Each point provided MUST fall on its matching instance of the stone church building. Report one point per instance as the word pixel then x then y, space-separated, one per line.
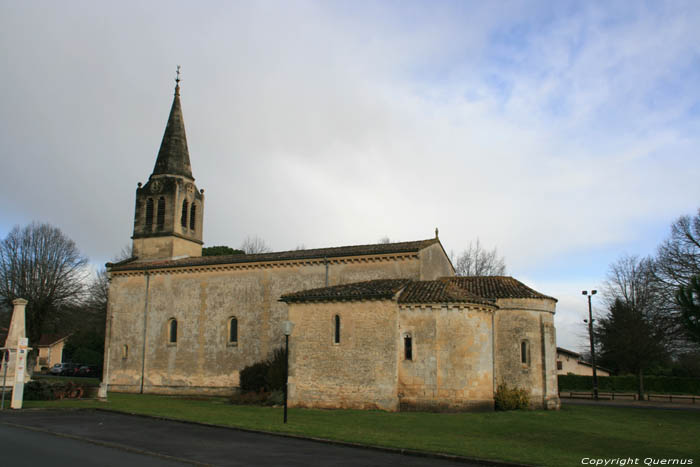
pixel 383 326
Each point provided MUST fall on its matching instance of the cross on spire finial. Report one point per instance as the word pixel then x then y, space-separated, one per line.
pixel 177 81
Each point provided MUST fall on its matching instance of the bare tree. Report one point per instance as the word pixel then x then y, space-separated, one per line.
pixel 477 261
pixel 39 263
pixel 385 239
pixel 637 332
pixel 254 245
pixel 632 280
pixel 678 258
pixel 677 263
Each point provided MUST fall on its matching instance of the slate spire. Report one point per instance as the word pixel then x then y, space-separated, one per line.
pixel 173 156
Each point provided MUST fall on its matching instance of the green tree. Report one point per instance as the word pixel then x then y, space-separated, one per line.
pixel 629 342
pixel 220 250
pixel 688 300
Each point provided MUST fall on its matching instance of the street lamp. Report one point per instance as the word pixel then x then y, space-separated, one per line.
pixel 287 327
pixel 590 334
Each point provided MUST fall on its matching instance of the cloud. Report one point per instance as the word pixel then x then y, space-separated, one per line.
pixel 552 131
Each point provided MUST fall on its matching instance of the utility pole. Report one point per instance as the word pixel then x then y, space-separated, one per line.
pixel 592 339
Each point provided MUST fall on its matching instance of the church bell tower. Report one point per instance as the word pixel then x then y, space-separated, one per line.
pixel 169 207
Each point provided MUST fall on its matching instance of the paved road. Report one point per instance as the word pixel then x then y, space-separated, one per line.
pixel 180 441
pixel 23 448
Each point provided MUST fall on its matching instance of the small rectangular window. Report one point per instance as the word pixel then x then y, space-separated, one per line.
pixel 408 348
pixel 336 337
pixel 524 350
pixel 559 365
pixel 172 337
pixel 233 331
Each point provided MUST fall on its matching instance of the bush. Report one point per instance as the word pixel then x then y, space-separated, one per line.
pixel 277 371
pixel 265 376
pixel 253 377
pixel 258 398
pixel 508 398
pixel 47 390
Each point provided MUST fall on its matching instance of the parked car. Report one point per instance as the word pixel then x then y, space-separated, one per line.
pixel 57 369
pixel 70 369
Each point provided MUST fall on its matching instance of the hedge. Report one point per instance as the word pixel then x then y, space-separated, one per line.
pixel 654 384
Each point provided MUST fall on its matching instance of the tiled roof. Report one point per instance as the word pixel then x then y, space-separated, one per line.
pixel 354 250
pixel 439 292
pixel 569 352
pixel 496 287
pixel 367 290
pixel 444 290
pixel 409 292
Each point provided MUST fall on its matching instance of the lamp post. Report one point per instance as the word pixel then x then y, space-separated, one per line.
pixel 287 327
pixel 590 334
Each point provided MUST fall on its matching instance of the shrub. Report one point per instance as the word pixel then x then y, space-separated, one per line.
pixel 253 377
pixel 277 371
pixel 249 398
pixel 508 398
pixel 46 390
pixel 265 376
pixel 275 398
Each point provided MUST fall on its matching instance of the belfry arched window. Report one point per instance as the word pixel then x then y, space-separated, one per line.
pixel 183 217
pixel 160 219
pixel 336 335
pixel 172 331
pixel 193 215
pixel 149 212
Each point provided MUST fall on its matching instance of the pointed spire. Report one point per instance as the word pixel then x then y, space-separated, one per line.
pixel 173 156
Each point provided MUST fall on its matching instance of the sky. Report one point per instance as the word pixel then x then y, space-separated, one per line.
pixel 564 134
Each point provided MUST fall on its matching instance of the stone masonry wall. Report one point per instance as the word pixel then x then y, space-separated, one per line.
pixel 359 372
pixel 452 364
pixel 532 321
pixel 203 301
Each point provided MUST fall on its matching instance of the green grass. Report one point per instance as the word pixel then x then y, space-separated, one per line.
pixel 556 438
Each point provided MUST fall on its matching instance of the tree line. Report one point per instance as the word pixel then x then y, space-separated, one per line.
pixel 652 319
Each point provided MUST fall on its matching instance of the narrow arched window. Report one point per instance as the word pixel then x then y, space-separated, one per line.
pixel 336 337
pixel 183 217
pixel 149 212
pixel 524 353
pixel 193 215
pixel 233 331
pixel 125 352
pixel 408 347
pixel 172 331
pixel 160 220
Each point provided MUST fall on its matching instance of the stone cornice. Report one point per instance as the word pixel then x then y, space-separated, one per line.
pixel 273 264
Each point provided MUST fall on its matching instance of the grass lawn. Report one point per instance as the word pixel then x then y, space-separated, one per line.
pixel 533 437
